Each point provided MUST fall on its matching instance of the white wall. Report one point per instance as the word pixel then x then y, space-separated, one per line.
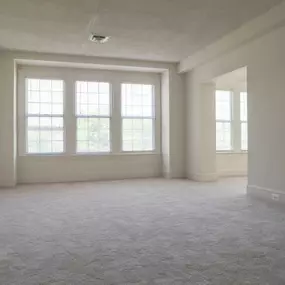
pixel 38 169
pixel 7 122
pixel 231 164
pixel 265 61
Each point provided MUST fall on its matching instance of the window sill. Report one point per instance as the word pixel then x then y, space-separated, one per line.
pixel 232 152
pixel 99 154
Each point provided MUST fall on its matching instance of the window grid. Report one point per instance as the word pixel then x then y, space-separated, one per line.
pixel 243 119
pixel 93 113
pixel 223 120
pixel 44 116
pixel 138 117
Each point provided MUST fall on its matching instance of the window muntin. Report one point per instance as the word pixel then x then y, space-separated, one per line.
pixel 243 119
pixel 223 120
pixel 93 113
pixel 44 116
pixel 138 117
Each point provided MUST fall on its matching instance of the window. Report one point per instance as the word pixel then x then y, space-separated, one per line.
pixel 223 120
pixel 138 117
pixel 70 112
pixel 44 116
pixel 243 119
pixel 93 116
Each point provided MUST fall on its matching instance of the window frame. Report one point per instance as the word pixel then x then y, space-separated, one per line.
pixel 69 76
pixel 77 116
pixel 243 121
pixel 22 105
pixel 236 126
pixel 153 118
pixel 230 121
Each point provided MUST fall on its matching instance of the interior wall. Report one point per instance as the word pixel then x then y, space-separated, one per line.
pixel 201 130
pixel 7 122
pixel 38 168
pixel 265 61
pixel 95 168
pixel 231 164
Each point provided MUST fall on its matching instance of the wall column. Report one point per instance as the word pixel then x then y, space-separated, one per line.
pixel 201 130
pixel 8 141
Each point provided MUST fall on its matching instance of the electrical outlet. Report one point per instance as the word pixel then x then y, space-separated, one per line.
pixel 275 197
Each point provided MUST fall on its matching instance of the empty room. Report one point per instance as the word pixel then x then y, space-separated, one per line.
pixel 142 142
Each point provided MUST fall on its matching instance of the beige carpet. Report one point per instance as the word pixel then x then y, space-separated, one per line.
pixel 139 232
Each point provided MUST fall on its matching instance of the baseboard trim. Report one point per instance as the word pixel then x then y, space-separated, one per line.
pixel 266 194
pixel 7 184
pixel 202 177
pixel 233 173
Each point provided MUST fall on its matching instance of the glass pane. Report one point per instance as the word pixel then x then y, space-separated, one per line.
pixel 244 136
pixel 137 135
pixel 223 105
pixel 92 98
pixel 57 146
pixel 44 96
pixel 223 136
pixel 45 135
pixel 137 100
pixel 33 84
pixel 243 106
pixel 33 136
pixel 33 108
pixel 33 147
pixel 57 122
pixel 33 97
pixel 45 146
pixel 45 122
pixel 57 135
pixel 82 146
pixel 93 135
pixel 33 122
pixel 45 109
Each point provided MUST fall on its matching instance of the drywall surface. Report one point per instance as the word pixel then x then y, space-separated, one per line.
pixel 265 61
pixel 165 124
pixel 7 123
pixel 231 164
pixel 177 110
pixel 38 169
pixel 201 138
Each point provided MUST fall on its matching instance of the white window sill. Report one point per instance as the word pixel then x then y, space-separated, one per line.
pixel 99 154
pixel 232 152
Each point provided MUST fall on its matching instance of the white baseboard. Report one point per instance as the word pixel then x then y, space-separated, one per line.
pixel 7 184
pixel 266 194
pixel 232 173
pixel 203 177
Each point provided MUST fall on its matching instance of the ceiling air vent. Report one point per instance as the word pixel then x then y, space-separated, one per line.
pixel 98 39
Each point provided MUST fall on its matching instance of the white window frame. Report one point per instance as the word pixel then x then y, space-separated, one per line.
pixel 153 118
pixel 230 121
pixel 242 121
pixel 70 76
pixel 22 114
pixel 235 121
pixel 78 116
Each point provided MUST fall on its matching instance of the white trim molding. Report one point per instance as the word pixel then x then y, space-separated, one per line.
pixel 232 173
pixel 203 177
pixel 266 194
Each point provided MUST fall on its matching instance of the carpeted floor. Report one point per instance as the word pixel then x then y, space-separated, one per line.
pixel 139 232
